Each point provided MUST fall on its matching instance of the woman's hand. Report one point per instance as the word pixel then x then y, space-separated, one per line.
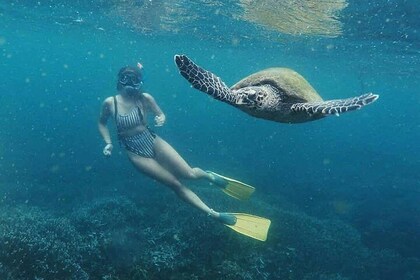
pixel 160 120
pixel 108 150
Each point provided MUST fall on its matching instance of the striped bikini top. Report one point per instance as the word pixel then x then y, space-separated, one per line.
pixel 132 119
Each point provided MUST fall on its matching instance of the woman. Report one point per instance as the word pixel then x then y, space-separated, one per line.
pixel 149 153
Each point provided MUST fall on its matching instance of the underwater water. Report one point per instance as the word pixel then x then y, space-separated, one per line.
pixel 342 193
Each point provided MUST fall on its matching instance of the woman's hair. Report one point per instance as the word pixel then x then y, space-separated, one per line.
pixel 130 69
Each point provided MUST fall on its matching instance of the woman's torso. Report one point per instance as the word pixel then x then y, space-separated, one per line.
pixel 130 116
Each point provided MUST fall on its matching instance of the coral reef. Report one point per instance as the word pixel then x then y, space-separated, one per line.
pixel 35 245
pixel 155 236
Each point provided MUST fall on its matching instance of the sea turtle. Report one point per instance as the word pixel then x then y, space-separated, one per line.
pixel 276 94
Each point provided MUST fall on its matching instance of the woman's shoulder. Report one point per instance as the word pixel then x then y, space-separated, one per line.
pixel 148 97
pixel 109 100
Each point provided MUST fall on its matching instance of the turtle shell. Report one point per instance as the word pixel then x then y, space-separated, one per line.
pixel 290 84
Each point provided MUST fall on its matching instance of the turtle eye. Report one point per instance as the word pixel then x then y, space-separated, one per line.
pixel 252 95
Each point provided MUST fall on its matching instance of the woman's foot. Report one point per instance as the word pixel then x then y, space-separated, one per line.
pixel 224 218
pixel 227 219
pixel 216 179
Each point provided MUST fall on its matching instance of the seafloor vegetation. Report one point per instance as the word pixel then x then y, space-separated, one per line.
pixel 55 232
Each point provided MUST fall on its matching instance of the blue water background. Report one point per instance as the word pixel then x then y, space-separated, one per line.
pixel 56 72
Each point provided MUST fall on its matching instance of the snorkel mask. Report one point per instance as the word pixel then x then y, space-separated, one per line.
pixel 129 78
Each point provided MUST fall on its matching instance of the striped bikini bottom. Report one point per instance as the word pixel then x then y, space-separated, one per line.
pixel 141 144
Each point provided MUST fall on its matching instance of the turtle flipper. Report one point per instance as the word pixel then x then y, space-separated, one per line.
pixel 335 107
pixel 203 80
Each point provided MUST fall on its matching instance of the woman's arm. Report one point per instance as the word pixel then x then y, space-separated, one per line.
pixel 103 129
pixel 152 105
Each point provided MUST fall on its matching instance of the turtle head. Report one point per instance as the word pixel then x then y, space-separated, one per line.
pixel 247 97
pixel 257 97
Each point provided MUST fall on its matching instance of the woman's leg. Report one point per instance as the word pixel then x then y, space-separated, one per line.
pixel 169 157
pixel 153 169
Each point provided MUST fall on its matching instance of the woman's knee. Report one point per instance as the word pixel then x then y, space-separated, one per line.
pixel 194 173
pixel 191 174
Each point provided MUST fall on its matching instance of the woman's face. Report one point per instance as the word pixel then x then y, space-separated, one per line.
pixel 129 81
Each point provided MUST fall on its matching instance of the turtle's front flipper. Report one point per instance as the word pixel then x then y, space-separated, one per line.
pixel 203 80
pixel 335 107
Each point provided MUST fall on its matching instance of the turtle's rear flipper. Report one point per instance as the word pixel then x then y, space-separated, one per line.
pixel 335 107
pixel 202 79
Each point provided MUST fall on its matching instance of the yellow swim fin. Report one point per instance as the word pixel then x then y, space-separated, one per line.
pixel 246 224
pixel 233 187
